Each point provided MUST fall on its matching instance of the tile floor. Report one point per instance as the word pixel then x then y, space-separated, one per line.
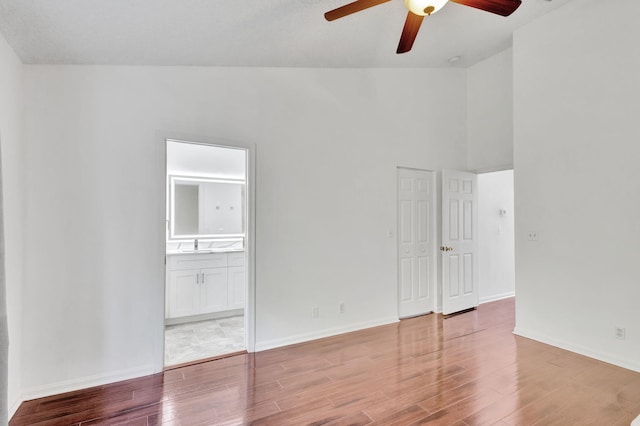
pixel 203 339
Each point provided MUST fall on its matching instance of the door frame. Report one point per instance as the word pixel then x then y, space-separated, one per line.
pixel 433 225
pixel 250 235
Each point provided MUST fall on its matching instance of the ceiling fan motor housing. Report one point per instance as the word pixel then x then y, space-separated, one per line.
pixel 424 7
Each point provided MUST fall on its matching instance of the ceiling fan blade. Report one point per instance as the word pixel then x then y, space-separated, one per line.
pixel 499 7
pixel 350 8
pixel 409 32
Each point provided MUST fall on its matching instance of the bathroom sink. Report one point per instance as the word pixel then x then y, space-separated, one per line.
pixel 204 251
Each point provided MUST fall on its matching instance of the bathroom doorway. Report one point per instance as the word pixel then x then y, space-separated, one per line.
pixel 207 246
pixel 496 235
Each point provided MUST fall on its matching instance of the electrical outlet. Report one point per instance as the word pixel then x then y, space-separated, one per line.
pixel 342 307
pixel 532 236
pixel 620 332
pixel 315 312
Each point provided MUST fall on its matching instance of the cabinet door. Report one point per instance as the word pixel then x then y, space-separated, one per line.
pixel 214 290
pixel 236 287
pixel 184 293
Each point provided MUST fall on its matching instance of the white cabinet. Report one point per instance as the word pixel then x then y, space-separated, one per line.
pixel 183 293
pixel 213 297
pixel 236 281
pixel 197 261
pixel 236 285
pixel 204 283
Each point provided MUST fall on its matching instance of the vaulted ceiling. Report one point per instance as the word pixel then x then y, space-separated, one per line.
pixel 259 33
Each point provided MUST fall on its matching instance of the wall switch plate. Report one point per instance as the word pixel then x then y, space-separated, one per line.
pixel 532 236
pixel 315 312
pixel 341 307
pixel 620 333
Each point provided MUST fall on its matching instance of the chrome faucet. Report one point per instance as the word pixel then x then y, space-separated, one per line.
pixel 195 244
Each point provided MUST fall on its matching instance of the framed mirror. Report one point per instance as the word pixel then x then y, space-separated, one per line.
pixel 205 208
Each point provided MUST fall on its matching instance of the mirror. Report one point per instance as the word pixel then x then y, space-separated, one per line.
pixel 205 208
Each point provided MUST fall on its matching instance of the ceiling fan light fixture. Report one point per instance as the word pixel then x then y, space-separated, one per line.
pixel 424 7
pixel 418 9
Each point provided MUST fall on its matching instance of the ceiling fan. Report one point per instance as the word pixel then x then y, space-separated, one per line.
pixel 418 9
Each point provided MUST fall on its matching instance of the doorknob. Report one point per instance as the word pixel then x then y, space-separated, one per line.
pixel 446 248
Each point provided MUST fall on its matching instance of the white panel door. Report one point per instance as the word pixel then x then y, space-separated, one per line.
pixel 416 242
pixel 459 241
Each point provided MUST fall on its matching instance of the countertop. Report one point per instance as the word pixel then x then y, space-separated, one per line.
pixel 205 251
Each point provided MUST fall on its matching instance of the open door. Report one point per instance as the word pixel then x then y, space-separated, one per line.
pixel 459 241
pixel 416 242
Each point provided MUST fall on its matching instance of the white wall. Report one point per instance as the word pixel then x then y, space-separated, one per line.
pixel 489 148
pixel 576 103
pixel 490 113
pixel 13 165
pixel 496 252
pixel 328 143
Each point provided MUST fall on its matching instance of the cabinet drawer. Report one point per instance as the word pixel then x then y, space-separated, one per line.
pixel 197 261
pixel 236 258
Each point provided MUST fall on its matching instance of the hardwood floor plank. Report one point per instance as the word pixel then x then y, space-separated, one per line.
pixel 304 381
pixel 357 419
pixel 312 410
pixel 402 416
pixel 588 408
pixel 248 415
pixel 631 390
pixel 466 370
pixel 136 417
pixel 461 409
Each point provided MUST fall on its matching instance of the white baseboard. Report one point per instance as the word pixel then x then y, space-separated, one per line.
pixel 84 382
pixel 630 364
pixel 496 297
pixel 13 406
pixel 203 317
pixel 328 332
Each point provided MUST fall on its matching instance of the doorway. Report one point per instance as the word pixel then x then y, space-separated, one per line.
pixel 478 253
pixel 496 241
pixel 207 252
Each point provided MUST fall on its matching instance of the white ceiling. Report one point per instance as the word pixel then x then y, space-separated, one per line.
pixel 260 33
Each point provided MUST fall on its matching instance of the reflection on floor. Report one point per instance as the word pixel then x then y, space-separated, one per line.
pixel 203 339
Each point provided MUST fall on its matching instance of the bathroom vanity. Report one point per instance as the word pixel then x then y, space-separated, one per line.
pixel 206 282
pixel 205 248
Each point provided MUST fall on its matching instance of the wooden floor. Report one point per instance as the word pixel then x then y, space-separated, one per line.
pixel 464 370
